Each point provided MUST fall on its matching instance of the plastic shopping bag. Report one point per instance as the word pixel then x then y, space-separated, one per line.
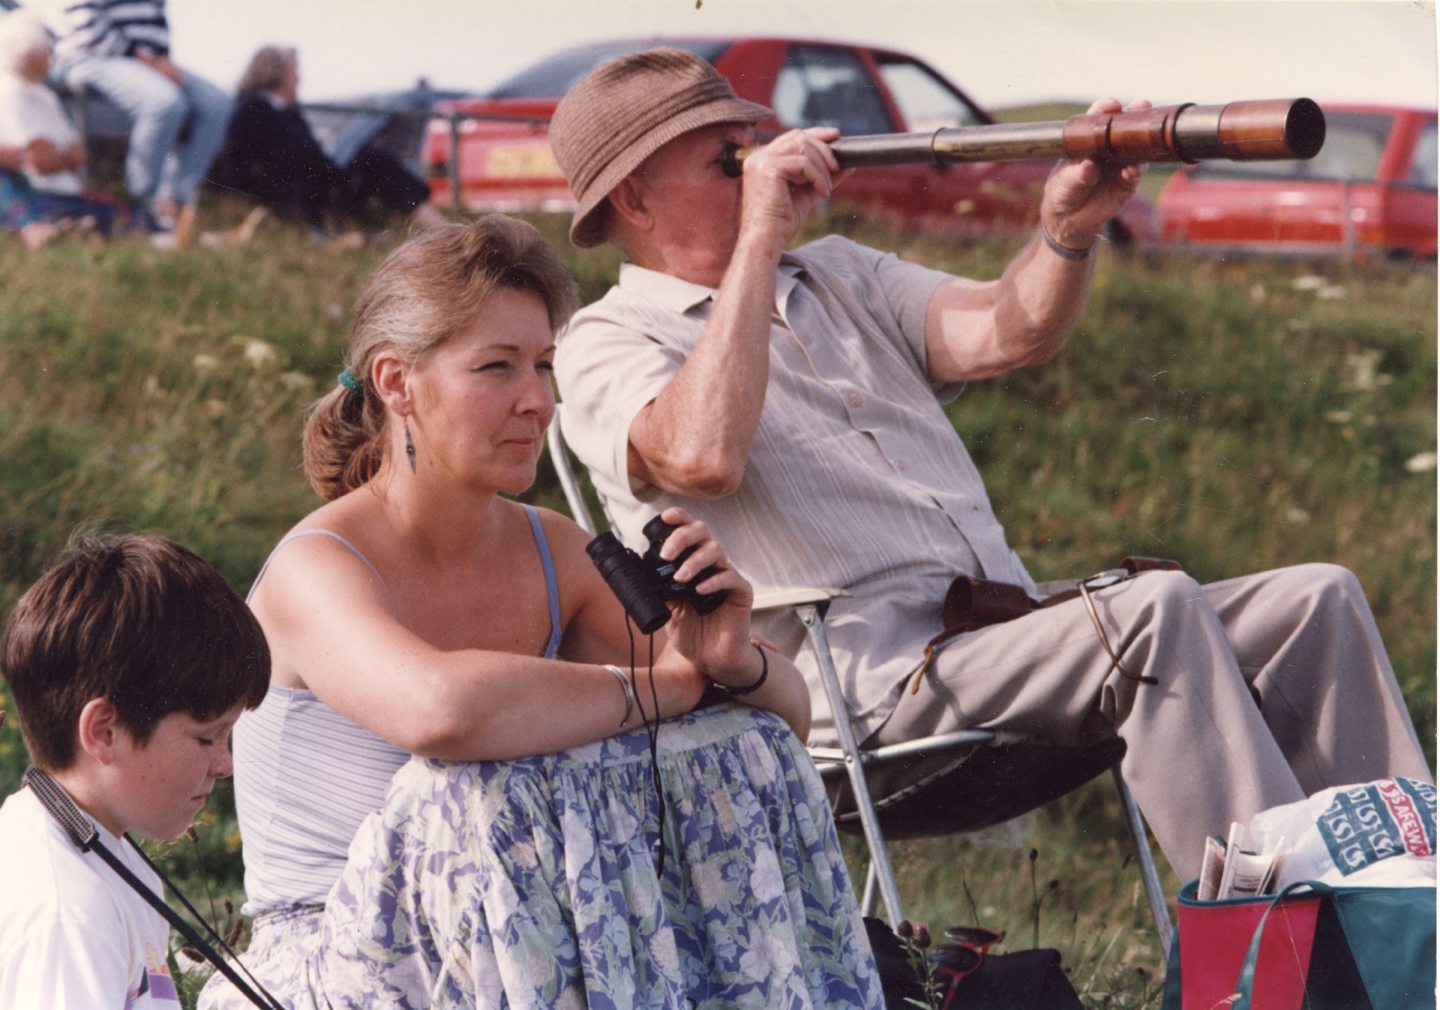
pixel 1374 834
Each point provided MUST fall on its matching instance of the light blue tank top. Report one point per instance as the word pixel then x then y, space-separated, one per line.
pixel 305 776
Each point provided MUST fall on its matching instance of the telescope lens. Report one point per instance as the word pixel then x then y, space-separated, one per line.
pixel 1305 128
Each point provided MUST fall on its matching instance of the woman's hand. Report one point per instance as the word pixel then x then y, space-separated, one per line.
pixel 717 643
pixel 720 644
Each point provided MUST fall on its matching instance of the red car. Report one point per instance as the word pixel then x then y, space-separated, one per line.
pixel 505 162
pixel 1369 193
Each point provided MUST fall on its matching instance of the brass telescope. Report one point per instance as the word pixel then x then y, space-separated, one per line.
pixel 1268 130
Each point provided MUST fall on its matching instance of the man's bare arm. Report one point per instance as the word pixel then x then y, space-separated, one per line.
pixel 694 437
pixel 974 330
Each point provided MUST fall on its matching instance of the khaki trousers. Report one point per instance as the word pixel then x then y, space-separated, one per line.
pixel 1201 751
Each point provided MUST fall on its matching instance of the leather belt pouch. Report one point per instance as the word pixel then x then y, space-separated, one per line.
pixel 972 603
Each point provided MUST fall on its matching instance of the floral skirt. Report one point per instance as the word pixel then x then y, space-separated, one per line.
pixel 543 882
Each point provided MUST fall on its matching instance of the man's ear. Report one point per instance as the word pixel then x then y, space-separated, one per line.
pixel 391 378
pixel 100 730
pixel 628 204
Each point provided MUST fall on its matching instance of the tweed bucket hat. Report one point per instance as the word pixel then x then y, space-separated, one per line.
pixel 625 110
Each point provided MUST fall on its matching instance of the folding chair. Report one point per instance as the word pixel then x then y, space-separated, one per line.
pixel 987 777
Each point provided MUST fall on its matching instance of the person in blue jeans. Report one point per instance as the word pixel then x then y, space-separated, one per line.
pixel 121 49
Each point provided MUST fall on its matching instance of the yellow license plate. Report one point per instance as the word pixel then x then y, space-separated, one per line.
pixel 522 163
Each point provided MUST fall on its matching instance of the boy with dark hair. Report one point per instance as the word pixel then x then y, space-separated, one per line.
pixel 129 662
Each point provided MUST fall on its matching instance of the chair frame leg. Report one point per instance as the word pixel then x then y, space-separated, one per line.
pixel 880 869
pixel 880 874
pixel 1149 875
pixel 871 893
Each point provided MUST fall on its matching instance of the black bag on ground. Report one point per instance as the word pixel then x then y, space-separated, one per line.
pixel 898 980
pixel 1029 979
pixel 1024 980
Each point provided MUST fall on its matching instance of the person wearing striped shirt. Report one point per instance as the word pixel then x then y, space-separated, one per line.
pixel 795 400
pixel 121 49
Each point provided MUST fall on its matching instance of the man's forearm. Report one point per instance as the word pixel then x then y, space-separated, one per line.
pixel 694 438
pixel 1043 294
pixel 980 329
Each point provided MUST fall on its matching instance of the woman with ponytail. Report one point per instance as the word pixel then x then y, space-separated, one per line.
pixel 567 831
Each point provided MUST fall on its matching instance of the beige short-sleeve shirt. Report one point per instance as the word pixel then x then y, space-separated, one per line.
pixel 856 478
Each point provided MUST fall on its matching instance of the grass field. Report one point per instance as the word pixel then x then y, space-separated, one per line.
pixel 1235 416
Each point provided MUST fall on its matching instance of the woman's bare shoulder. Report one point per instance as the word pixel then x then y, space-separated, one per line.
pixel 564 534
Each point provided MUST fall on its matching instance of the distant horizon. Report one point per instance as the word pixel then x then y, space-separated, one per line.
pixel 1016 52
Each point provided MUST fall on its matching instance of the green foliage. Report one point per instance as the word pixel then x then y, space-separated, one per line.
pixel 1233 416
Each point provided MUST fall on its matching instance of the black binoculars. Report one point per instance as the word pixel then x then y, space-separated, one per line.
pixel 644 583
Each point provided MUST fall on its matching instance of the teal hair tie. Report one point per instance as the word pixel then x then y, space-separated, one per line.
pixel 348 380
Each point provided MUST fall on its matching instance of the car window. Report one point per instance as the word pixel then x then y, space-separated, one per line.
pixel 555 75
pixel 1354 142
pixel 820 86
pixel 1422 167
pixel 926 102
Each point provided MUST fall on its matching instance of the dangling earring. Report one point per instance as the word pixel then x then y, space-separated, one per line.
pixel 409 445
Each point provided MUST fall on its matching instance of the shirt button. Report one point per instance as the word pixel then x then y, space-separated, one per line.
pixel 854 399
pixel 901 465
pixel 804 338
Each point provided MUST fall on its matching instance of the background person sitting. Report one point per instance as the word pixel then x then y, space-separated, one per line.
pixel 17 201
pixel 121 49
pixel 128 662
pixel 33 121
pixel 422 611
pixel 271 155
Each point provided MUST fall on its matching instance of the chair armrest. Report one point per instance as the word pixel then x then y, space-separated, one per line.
pixel 776 599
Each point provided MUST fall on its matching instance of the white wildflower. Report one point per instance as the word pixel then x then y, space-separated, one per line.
pixel 1363 370
pixel 258 352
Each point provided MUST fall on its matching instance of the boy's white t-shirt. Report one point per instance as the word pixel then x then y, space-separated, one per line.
pixel 73 934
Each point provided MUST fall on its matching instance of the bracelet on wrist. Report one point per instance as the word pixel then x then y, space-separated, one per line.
pixel 1064 251
pixel 628 690
pixel 737 692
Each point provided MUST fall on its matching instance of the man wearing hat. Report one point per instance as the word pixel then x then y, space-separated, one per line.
pixel 793 399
